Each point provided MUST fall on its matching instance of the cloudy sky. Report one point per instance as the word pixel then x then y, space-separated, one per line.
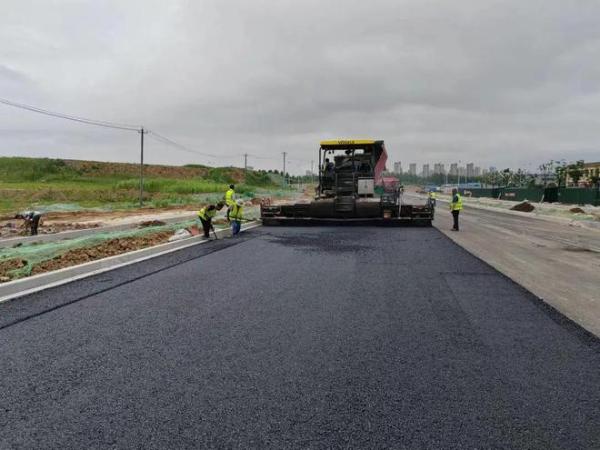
pixel 509 83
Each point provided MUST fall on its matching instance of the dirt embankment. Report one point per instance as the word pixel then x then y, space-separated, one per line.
pixel 109 248
pixel 81 255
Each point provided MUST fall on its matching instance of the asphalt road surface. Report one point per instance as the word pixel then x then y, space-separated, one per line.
pixel 555 260
pixel 301 338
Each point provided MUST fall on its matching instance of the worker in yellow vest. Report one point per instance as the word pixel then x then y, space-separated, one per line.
pixel 456 205
pixel 229 199
pixel 206 215
pixel 432 198
pixel 236 217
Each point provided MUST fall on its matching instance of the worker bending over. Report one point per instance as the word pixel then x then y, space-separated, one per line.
pixel 206 215
pixel 236 217
pixel 455 207
pixel 31 220
pixel 229 199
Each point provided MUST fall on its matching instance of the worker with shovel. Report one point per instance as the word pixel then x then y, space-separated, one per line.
pixel 31 220
pixel 236 217
pixel 206 215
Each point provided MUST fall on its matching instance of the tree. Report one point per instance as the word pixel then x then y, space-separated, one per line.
pixel 575 171
pixel 594 177
pixel 560 169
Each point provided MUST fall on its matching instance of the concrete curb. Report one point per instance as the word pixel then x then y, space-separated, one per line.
pixel 9 242
pixel 25 286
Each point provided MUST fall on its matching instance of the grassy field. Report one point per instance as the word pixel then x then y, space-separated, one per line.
pixel 48 184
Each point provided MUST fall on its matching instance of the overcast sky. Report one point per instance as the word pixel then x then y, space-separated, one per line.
pixel 503 83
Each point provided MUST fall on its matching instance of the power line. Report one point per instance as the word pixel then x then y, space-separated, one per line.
pixel 166 140
pixel 99 123
pixel 120 126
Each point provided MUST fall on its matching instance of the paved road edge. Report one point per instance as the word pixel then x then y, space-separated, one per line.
pixel 25 286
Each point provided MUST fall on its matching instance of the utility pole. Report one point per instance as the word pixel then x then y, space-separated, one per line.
pixel 284 155
pixel 142 132
pixel 312 173
pixel 245 161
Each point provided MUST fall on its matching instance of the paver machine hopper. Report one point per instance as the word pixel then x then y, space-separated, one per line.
pixel 352 190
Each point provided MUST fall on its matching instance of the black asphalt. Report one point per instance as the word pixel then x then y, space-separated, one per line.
pixel 298 338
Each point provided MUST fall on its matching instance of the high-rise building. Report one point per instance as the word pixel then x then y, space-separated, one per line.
pixel 398 168
pixel 453 169
pixel 477 171
pixel 439 168
pixel 462 171
pixel 412 169
pixel 470 170
pixel 425 172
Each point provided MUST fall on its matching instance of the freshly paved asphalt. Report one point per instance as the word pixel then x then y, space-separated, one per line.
pixel 298 337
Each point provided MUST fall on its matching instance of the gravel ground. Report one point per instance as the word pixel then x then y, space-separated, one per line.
pixel 298 337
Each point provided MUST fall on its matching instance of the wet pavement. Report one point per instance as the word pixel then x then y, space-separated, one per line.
pixel 347 337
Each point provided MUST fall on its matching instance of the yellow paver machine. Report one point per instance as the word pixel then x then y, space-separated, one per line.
pixel 352 190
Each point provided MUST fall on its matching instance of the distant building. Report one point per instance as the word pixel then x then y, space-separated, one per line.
pixel 412 169
pixel 462 171
pixel 477 171
pixel 589 170
pixel 493 169
pixel 470 170
pixel 425 172
pixel 453 169
pixel 398 168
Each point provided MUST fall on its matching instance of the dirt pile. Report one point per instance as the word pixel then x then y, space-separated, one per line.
pixel 577 210
pixel 523 207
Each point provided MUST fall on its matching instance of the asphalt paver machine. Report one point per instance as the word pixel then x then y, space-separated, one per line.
pixel 352 190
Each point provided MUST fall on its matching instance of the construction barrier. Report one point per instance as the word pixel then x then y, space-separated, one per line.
pixel 578 196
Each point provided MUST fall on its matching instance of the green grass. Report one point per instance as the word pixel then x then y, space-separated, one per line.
pixel 40 182
pixel 171 186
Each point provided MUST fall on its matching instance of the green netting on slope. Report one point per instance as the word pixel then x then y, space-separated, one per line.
pixel 36 253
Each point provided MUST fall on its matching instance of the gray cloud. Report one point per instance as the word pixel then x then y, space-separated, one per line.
pixel 506 83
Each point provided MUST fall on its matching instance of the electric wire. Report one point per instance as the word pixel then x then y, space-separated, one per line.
pixel 119 126
pixel 46 112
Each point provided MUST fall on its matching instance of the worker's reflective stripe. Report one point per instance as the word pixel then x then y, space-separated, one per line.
pixel 458 204
pixel 229 200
